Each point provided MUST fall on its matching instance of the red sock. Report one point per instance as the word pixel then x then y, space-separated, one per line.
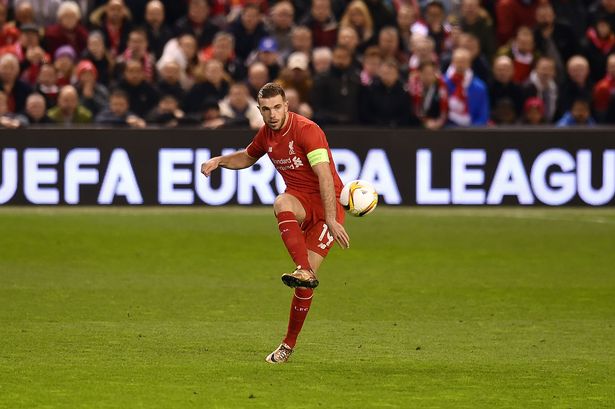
pixel 302 299
pixel 293 239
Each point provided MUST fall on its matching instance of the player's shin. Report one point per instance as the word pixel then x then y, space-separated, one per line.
pixel 293 239
pixel 300 305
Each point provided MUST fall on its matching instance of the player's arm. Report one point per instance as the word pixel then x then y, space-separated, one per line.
pixel 235 160
pixel 329 201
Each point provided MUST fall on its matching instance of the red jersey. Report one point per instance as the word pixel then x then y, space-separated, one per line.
pixel 289 149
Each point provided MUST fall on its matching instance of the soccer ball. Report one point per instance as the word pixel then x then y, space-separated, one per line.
pixel 359 198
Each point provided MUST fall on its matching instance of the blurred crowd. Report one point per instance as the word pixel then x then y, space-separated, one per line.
pixel 388 63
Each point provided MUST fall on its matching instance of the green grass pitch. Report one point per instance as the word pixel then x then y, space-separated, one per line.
pixel 429 308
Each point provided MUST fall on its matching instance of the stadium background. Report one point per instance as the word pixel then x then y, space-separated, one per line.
pixel 432 307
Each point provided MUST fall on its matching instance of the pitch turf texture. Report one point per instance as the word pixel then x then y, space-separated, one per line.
pixel 429 308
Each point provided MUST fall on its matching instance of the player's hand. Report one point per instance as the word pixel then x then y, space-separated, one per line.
pixel 210 166
pixel 339 233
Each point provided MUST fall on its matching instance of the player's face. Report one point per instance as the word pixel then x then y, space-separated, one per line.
pixel 274 111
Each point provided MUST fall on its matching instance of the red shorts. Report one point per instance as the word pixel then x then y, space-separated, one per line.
pixel 316 232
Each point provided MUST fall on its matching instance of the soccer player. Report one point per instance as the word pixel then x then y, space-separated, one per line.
pixel 309 215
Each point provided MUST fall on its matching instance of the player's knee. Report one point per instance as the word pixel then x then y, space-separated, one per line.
pixel 282 203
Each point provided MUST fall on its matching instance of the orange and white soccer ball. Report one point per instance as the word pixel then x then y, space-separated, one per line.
pixel 359 198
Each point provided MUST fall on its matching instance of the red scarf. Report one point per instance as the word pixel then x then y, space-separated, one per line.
pixel 416 90
pixel 458 107
pixel 146 60
pixel 115 36
pixel 605 45
pixel 460 91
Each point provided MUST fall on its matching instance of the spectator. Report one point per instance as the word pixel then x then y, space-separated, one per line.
pixel 370 65
pixel 385 102
pixel 169 80
pixel 267 53
pixel 301 40
pixel 247 30
pixel 211 117
pixel 603 10
pixel 23 40
pixel 9 119
pixel 214 85
pixel 295 104
pixel 238 108
pixel 504 112
pixel 522 52
pixel 280 25
pixel 8 32
pixel 475 20
pixel 222 49
pixel 388 42
pixel 335 95
pixel 158 33
pixel 197 23
pixel 167 113
pixel 502 85
pixel 29 52
pixel 322 23
pixel 534 112
pixel 141 94
pixel 542 85
pixel 321 59
pixel 468 101
pixel 480 65
pixel 69 111
pixel 553 38
pixel 578 115
pixel 512 14
pixel 182 50
pixel 93 95
pixel 41 13
pixel 258 75
pixel 36 110
pixel 577 84
pixel 599 43
pixel 347 37
pixel 297 75
pixel 68 30
pixel 406 17
pixel 438 28
pixel 113 21
pixel 64 63
pixel 118 113
pixel 137 49
pixel 47 84
pixel 97 54
pixel 423 49
pixel 8 35
pixel 429 96
pixel 604 89
pixel 357 17
pixel 24 13
pixel 16 90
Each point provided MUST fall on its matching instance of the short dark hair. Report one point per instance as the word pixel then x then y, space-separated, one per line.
pixel 119 93
pixel 270 90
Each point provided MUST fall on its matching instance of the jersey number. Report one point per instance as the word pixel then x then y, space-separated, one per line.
pixel 325 230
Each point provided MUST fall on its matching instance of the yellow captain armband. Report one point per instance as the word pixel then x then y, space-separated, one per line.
pixel 317 156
